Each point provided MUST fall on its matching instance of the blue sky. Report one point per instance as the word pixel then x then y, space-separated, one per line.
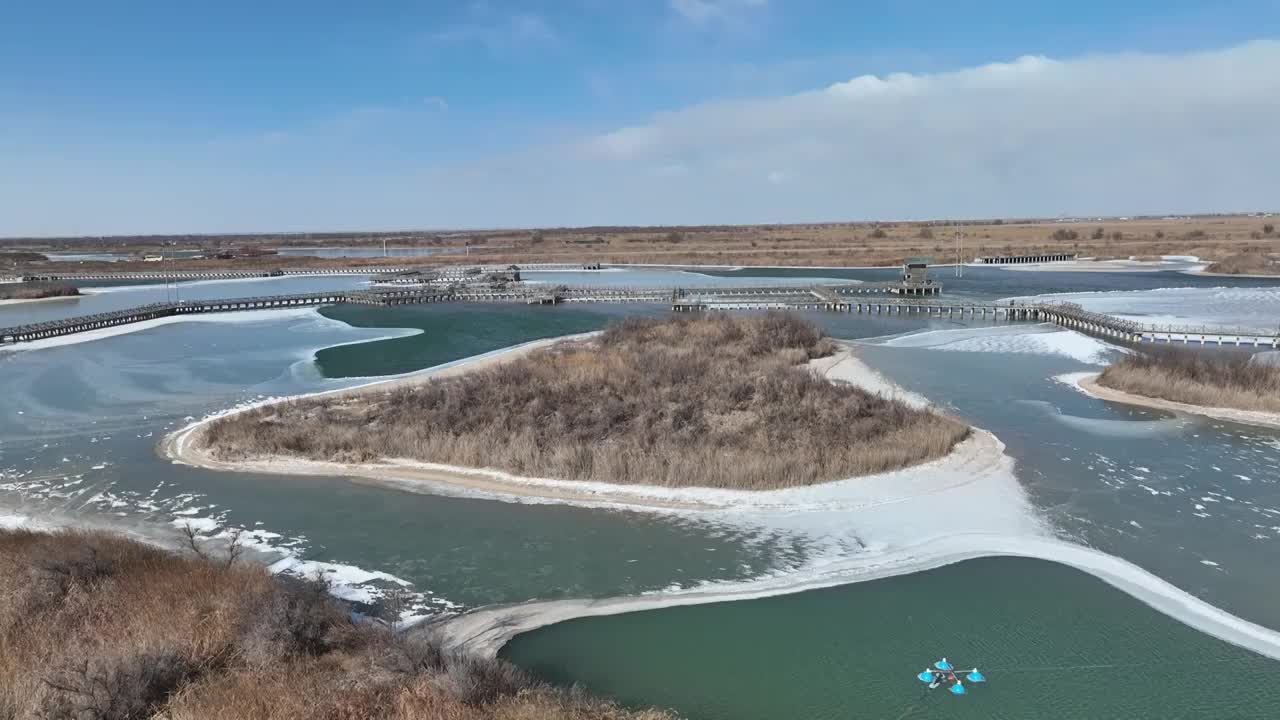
pixel 236 116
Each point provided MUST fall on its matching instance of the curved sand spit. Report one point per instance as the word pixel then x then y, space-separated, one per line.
pixel 1088 384
pixel 485 631
pixel 966 505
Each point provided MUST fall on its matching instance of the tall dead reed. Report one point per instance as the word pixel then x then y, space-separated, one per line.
pixel 716 401
pixel 36 290
pixel 1247 263
pixel 1210 379
pixel 98 626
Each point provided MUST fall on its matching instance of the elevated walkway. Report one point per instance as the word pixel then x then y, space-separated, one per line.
pixel 838 298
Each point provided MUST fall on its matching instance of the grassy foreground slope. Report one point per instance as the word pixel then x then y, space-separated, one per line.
pixel 1186 376
pixel 716 401
pixel 98 626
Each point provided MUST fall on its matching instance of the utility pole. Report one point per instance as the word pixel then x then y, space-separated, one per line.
pixel 384 246
pixel 959 253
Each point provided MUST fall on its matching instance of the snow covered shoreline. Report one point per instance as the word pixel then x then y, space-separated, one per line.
pixel 1088 384
pixel 487 630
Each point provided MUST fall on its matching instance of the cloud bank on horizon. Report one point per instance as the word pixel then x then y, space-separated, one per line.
pixel 1104 134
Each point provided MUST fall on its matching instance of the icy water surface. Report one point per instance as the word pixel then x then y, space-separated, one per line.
pixel 108 297
pixel 1054 644
pixel 994 283
pixel 1190 500
pixel 79 426
pixel 1193 500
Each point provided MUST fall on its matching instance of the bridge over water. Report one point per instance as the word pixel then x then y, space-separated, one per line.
pixel 853 298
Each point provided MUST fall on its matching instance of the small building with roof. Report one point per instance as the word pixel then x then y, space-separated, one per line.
pixel 915 279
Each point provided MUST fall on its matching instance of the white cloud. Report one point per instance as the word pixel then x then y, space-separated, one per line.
pixel 706 12
pixel 1122 133
pixel 498 32
pixel 1112 134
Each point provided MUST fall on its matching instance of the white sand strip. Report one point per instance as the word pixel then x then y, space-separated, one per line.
pixel 1088 384
pixel 25 301
pixel 486 631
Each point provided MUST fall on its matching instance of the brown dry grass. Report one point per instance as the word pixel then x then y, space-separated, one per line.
pixel 1197 378
pixel 710 402
pixel 1249 263
pixel 36 290
pixel 99 626
pixel 833 244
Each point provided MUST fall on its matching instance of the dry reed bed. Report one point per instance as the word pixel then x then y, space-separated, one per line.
pixel 1249 263
pixel 36 290
pixel 716 401
pixel 840 244
pixel 1197 378
pixel 98 626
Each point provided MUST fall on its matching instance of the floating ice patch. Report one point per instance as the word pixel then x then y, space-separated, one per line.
pixel 1119 428
pixel 1245 308
pixel 347 582
pixel 1030 340
pixel 200 525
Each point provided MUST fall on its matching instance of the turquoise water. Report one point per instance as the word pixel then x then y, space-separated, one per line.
pixel 79 424
pixel 1192 500
pixel 450 329
pixel 1054 643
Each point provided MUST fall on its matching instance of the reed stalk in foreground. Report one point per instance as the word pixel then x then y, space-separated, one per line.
pixel 718 401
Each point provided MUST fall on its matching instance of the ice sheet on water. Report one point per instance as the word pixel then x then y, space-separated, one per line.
pixel 1031 340
pixel 1247 308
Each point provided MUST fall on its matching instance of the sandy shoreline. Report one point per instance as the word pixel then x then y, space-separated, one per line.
pixel 487 630
pixel 1099 266
pixel 1250 276
pixel 1088 383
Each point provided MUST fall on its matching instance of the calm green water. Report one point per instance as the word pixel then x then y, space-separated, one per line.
pixel 453 331
pixel 1053 642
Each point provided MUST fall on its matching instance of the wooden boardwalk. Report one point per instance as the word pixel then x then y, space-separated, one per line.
pixel 831 298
